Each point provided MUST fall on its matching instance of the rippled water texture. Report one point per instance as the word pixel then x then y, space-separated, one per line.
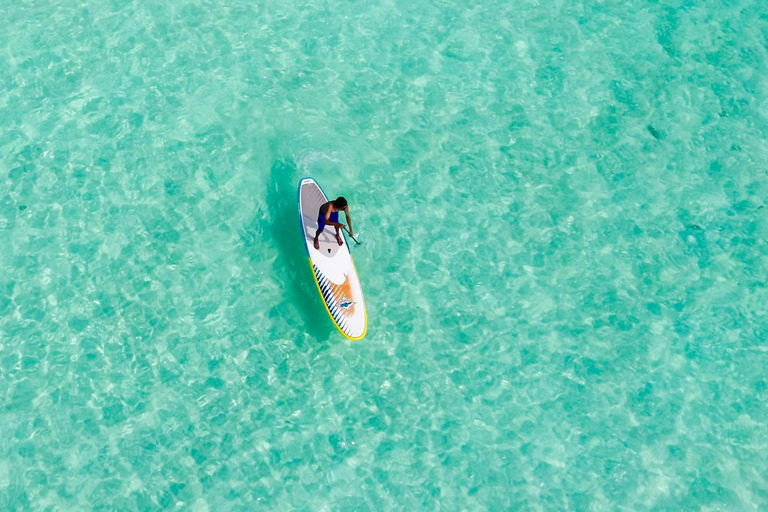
pixel 564 254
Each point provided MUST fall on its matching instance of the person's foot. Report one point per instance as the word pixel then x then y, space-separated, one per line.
pixel 339 239
pixel 317 244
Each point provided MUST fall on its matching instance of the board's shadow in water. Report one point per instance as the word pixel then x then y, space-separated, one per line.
pixel 282 197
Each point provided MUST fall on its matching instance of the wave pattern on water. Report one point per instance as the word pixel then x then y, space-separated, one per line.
pixel 562 209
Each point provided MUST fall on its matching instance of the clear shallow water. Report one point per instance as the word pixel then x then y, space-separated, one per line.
pixel 564 258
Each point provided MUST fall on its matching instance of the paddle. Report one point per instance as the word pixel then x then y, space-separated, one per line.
pixel 350 234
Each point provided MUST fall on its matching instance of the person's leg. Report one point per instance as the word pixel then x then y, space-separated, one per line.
pixel 339 237
pixel 320 228
pixel 335 218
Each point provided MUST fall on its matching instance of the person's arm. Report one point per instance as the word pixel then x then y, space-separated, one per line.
pixel 328 220
pixel 349 221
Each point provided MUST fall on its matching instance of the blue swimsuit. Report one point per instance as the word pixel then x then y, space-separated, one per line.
pixel 321 218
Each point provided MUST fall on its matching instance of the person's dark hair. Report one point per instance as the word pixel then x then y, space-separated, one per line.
pixel 340 203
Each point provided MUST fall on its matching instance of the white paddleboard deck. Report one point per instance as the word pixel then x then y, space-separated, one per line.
pixel 335 273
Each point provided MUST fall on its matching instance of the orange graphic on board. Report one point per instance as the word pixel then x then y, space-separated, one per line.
pixel 342 294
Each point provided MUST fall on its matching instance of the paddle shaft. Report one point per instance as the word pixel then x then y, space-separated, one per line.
pixel 350 234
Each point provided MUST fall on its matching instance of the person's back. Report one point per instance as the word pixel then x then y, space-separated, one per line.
pixel 329 215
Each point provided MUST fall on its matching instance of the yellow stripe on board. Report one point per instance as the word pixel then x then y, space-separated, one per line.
pixel 328 310
pixel 365 309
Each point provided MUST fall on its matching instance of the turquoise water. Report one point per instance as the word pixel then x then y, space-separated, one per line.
pixel 564 254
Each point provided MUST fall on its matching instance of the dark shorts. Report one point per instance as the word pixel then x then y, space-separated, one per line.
pixel 321 220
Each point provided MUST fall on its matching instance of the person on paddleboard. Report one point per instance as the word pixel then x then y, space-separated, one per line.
pixel 329 215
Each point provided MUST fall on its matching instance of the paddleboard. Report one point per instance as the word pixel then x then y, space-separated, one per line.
pixel 332 265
